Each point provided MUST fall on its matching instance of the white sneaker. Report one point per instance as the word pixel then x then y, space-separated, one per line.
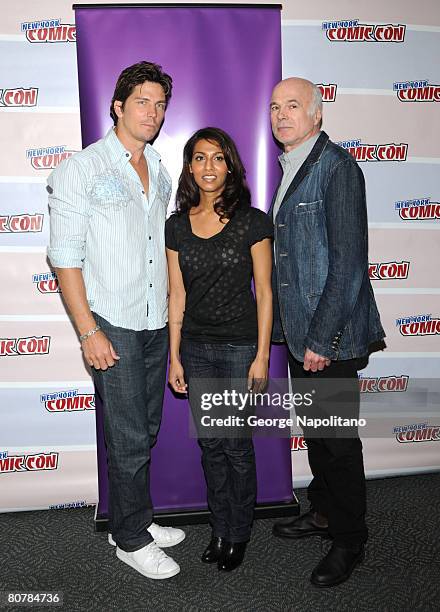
pixel 163 536
pixel 166 536
pixel 150 561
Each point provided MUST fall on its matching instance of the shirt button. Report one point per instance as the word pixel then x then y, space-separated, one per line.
pixel 149 237
pixel 151 261
pixel 143 191
pixel 151 285
pixel 127 155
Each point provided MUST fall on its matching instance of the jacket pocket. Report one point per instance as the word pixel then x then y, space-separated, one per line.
pixel 307 207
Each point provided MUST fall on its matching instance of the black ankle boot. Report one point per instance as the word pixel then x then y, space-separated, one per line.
pixel 214 550
pixel 337 566
pixel 232 557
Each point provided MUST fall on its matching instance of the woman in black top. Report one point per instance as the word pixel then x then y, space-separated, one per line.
pixel 219 333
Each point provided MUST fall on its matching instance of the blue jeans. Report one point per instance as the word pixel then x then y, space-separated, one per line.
pixel 132 394
pixel 228 463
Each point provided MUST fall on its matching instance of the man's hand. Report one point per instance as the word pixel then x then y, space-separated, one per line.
pixel 99 352
pixel 314 362
pixel 97 348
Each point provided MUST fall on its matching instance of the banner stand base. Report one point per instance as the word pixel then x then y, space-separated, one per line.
pixel 192 517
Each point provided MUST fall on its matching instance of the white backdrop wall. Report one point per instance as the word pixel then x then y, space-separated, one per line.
pixel 47 432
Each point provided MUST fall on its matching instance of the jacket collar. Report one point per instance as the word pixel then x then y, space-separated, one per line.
pixel 312 159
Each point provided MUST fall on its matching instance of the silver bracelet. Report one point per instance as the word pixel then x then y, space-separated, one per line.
pixel 89 333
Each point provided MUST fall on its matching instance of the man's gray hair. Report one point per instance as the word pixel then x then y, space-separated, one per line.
pixel 316 102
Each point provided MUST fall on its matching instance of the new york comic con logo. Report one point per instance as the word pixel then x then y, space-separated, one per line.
pixel 417 432
pixel 68 401
pixel 47 158
pixel 328 91
pixel 419 325
pixel 32 345
pixel 49 31
pixel 387 152
pixel 46 282
pixel 27 462
pixel 21 224
pixel 417 91
pixel 350 30
pixel 418 209
pixel 389 270
pixel 19 97
pixel 383 384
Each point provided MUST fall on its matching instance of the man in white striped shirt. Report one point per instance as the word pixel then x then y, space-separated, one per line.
pixel 107 207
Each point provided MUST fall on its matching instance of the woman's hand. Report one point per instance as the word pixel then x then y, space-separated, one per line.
pixel 176 377
pixel 258 374
pixel 262 269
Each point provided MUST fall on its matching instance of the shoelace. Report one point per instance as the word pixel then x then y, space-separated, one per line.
pixel 157 553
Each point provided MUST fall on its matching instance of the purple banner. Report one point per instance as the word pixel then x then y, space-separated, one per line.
pixel 224 63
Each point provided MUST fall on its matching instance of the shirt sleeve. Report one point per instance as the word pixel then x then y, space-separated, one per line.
pixel 69 208
pixel 170 234
pixel 261 226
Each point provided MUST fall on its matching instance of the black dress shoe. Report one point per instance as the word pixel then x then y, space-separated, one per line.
pixel 300 527
pixel 232 556
pixel 337 566
pixel 214 550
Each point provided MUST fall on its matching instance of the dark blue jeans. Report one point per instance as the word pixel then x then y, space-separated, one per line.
pixel 228 463
pixel 132 394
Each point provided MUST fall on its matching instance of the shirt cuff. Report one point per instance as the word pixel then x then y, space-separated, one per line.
pixel 65 258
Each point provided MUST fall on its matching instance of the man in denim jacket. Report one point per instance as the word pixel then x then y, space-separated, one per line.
pixel 326 311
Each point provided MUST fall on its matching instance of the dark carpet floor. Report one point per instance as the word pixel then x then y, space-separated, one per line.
pixel 58 550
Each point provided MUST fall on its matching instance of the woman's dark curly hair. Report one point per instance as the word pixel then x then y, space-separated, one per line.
pixel 236 193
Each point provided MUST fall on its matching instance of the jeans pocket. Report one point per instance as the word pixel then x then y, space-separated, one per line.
pixel 103 323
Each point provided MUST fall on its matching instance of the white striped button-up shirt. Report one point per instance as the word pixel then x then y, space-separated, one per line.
pixel 102 222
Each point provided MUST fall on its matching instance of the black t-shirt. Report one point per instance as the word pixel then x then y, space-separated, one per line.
pixel 217 274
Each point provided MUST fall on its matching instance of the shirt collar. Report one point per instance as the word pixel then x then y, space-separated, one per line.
pixel 120 154
pixel 290 159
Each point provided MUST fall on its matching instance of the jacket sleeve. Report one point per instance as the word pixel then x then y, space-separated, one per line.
pixel 347 234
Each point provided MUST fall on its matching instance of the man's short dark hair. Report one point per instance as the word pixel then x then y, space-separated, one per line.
pixel 136 75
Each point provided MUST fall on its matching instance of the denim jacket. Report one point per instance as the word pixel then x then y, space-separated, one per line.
pixel 323 299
